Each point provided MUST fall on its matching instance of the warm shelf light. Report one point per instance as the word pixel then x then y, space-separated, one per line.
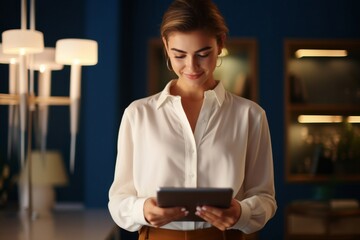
pixel 353 119
pixel 320 53
pixel 320 119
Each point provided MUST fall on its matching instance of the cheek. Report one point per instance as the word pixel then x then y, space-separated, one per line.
pixel 177 64
pixel 210 63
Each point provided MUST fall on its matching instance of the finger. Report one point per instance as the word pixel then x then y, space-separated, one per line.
pixel 206 215
pixel 215 217
pixel 164 216
pixel 232 213
pixel 211 212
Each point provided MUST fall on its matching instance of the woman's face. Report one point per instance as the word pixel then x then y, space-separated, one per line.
pixel 193 56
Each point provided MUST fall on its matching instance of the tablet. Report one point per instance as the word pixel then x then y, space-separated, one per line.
pixel 190 198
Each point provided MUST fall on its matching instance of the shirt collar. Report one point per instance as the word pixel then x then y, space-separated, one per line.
pixel 165 94
pixel 218 92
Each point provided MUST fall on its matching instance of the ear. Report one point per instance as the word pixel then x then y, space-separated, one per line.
pixel 165 44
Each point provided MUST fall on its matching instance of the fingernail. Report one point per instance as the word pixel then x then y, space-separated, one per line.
pixel 198 209
pixel 183 209
pixel 203 208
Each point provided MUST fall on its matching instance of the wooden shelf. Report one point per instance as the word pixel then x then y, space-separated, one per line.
pixel 308 178
pixel 325 108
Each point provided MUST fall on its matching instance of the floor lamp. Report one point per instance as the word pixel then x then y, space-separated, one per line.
pixel 23 49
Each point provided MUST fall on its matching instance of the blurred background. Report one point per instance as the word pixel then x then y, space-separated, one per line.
pixel 124 31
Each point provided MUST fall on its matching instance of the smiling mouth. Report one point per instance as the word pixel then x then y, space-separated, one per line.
pixel 194 76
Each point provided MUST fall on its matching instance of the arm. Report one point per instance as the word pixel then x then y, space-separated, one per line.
pixel 258 203
pixel 125 207
pixel 129 210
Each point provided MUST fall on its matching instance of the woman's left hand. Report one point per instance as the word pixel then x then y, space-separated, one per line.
pixel 219 217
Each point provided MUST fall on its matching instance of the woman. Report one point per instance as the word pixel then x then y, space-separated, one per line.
pixel 193 134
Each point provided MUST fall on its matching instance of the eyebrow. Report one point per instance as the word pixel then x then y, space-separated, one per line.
pixel 200 50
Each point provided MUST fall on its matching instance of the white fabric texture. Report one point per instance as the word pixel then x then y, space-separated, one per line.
pixel 230 147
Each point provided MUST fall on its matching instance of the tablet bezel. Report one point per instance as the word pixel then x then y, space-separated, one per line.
pixel 190 198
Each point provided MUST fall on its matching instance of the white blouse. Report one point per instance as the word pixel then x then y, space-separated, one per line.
pixel 230 148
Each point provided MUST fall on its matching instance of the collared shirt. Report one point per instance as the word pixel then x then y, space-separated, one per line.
pixel 230 147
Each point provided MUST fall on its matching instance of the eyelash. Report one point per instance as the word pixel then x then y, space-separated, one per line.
pixel 199 55
pixel 204 55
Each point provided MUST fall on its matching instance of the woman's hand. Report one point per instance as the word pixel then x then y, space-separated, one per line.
pixel 158 217
pixel 219 217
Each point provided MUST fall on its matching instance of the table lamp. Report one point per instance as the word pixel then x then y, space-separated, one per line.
pixel 45 175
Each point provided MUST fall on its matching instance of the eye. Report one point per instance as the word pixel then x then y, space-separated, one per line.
pixel 204 55
pixel 180 56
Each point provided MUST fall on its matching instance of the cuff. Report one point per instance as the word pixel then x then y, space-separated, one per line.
pixel 139 212
pixel 244 217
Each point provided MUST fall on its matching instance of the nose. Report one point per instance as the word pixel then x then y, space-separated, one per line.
pixel 192 63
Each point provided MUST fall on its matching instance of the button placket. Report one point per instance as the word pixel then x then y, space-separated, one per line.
pixel 190 160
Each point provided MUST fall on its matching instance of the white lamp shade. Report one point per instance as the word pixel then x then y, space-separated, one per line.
pixel 7 58
pixel 45 60
pixel 18 41
pixel 49 170
pixel 76 51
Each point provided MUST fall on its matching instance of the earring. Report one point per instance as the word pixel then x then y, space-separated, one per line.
pixel 219 64
pixel 168 64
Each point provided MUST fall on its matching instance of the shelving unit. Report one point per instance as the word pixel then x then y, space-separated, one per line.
pixel 317 220
pixel 328 88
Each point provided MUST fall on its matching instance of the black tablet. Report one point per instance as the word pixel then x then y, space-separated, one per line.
pixel 190 198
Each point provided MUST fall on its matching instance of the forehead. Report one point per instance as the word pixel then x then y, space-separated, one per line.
pixel 191 41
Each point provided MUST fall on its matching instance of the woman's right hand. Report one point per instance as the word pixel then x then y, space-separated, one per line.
pixel 158 217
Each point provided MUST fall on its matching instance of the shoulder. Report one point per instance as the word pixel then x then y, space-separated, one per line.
pixel 143 104
pixel 241 103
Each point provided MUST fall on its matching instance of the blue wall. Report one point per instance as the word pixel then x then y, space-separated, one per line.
pixel 123 28
pixel 102 100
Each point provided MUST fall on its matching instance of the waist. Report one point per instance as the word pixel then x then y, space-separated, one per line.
pixel 212 233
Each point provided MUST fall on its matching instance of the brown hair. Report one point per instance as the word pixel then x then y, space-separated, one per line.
pixel 190 15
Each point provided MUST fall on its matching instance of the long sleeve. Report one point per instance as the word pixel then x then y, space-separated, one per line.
pixel 125 207
pixel 258 193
